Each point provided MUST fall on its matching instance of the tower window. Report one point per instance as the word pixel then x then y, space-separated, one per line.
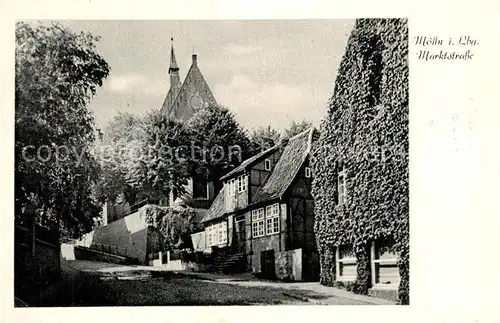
pixel 308 172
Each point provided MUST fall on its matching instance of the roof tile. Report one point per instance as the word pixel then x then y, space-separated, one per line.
pixel 287 167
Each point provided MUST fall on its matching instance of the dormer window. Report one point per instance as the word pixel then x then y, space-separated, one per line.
pixel 267 164
pixel 308 172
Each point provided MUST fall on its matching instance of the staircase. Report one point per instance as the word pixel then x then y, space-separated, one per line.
pixel 230 264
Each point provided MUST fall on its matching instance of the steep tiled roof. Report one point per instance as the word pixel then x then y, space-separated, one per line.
pixel 173 61
pixel 249 162
pixel 194 78
pixel 294 154
pixel 216 209
pixel 287 167
pixel 166 106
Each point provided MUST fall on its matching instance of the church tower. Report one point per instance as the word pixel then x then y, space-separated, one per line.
pixel 173 71
pixel 184 99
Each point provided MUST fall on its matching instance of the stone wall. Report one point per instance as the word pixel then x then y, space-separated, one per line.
pixel 288 265
pixel 83 253
pixel 258 245
pixel 36 262
pixel 129 233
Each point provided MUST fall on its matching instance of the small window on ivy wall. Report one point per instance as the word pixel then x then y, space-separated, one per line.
pixel 384 264
pixel 341 182
pixel 346 266
pixel 308 172
pixel 267 164
pixel 374 57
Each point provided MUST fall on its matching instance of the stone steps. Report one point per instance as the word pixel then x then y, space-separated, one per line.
pixel 228 263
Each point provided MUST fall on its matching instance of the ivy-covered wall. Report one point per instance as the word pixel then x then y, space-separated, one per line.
pixel 366 132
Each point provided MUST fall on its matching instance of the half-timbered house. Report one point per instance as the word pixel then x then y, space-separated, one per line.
pixel 264 213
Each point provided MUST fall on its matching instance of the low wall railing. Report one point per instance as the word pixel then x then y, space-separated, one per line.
pixel 112 249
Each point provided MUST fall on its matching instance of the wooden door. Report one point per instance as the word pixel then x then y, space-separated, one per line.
pixel 267 264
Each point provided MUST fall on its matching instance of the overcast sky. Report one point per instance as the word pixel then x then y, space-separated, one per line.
pixel 267 72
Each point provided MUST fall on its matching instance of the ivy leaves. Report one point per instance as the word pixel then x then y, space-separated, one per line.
pixel 173 224
pixel 366 128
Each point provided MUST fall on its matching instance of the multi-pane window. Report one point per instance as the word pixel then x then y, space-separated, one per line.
pixel 341 182
pixel 242 183
pixel 221 233
pixel 217 234
pixel 237 185
pixel 273 219
pixel 268 223
pixel 210 235
pixel 276 210
pixel 258 223
pixel 231 187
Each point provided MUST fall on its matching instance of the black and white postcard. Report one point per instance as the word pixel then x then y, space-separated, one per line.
pixel 217 160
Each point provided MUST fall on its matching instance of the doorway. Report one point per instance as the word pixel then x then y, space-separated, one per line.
pixel 267 264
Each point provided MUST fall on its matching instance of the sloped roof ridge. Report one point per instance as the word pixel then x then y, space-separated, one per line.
pixel 217 209
pixel 310 129
pixel 184 82
pixel 248 162
pixel 263 194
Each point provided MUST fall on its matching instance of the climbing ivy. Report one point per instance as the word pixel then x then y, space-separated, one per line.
pixel 175 224
pixel 365 133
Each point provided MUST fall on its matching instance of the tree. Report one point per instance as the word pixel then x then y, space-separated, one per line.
pixel 264 138
pixel 295 128
pixel 175 225
pixel 365 134
pixel 219 143
pixel 162 163
pixel 57 73
pixel 120 141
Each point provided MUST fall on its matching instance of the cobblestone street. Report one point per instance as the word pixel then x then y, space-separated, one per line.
pixel 86 283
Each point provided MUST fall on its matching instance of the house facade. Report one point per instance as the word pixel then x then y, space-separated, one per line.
pixel 265 212
pixel 383 260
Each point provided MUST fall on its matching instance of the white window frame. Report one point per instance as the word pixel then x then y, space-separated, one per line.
pixel 307 172
pixel 266 221
pixel 231 187
pixel 272 219
pixel 267 164
pixel 242 183
pixel 343 261
pixel 375 262
pixel 217 234
pixel 275 210
pixel 341 183
pixel 258 219
pixel 209 236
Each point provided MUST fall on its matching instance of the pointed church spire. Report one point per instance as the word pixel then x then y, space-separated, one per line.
pixel 173 70
pixel 173 62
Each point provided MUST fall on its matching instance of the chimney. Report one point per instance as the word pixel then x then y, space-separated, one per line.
pixel 195 61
